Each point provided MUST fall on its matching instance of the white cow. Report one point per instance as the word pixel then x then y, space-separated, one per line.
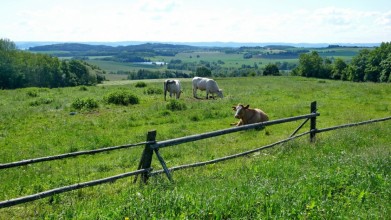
pixel 173 86
pixel 206 84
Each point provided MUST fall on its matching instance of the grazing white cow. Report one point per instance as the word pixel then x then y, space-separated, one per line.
pixel 206 84
pixel 173 86
pixel 248 115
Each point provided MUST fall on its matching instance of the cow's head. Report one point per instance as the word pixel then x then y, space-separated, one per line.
pixel 220 93
pixel 239 110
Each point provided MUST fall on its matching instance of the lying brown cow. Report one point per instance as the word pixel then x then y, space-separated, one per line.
pixel 248 115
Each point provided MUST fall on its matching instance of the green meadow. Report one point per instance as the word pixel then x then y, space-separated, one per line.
pixel 344 174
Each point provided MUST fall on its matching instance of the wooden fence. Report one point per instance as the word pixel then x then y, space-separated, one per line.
pixel 152 146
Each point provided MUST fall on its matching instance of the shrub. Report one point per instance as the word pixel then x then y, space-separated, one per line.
pixel 175 105
pixel 151 91
pixel 41 101
pixel 32 92
pixel 86 103
pixel 141 84
pixel 83 88
pixel 121 97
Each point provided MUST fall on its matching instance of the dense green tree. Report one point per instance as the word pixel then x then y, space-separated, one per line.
pixel 271 69
pixel 385 69
pixel 310 64
pixel 339 69
pixel 356 72
pixel 203 72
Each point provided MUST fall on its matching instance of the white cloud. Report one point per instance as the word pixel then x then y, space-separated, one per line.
pixel 176 20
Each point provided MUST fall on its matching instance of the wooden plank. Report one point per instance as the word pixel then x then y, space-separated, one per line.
pixel 196 137
pixel 313 122
pixel 63 156
pixel 51 192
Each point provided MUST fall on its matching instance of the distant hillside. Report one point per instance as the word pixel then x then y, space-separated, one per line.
pixel 25 45
pixel 77 49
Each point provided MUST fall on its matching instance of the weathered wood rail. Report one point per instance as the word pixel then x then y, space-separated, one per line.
pixel 153 146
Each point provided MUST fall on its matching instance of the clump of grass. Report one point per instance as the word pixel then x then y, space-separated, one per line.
pixel 83 88
pixel 32 93
pixel 41 101
pixel 121 97
pixel 141 84
pixel 175 105
pixel 86 103
pixel 151 91
pixel 195 118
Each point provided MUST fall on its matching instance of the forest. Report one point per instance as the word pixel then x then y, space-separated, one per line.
pixel 367 66
pixel 19 69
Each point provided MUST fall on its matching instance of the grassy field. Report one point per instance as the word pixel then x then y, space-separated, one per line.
pixel 344 174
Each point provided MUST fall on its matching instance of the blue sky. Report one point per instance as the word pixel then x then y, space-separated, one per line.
pixel 295 21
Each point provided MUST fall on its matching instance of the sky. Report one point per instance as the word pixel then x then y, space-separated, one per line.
pixel 253 21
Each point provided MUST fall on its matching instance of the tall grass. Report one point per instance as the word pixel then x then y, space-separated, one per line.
pixel 344 174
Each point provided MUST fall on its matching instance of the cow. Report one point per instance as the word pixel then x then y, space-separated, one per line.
pixel 173 86
pixel 206 84
pixel 248 115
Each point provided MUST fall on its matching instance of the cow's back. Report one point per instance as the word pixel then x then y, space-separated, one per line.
pixel 211 86
pixel 199 83
pixel 262 116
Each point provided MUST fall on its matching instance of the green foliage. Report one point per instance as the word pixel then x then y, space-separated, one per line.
pixel 203 72
pixel 271 69
pixel 32 92
pixel 176 105
pixel 141 84
pixel 41 101
pixel 85 103
pixel 20 69
pixel 152 91
pixel 121 97
pixel 366 66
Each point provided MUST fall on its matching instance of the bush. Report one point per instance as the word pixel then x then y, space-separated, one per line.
pixel 86 103
pixel 175 105
pixel 151 91
pixel 83 88
pixel 41 101
pixel 141 84
pixel 121 97
pixel 32 92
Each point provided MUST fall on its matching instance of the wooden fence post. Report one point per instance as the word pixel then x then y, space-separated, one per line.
pixel 146 157
pixel 313 122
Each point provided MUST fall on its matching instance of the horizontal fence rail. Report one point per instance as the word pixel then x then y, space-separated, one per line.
pixel 67 155
pixel 190 138
pixel 353 124
pixel 51 192
pixel 154 173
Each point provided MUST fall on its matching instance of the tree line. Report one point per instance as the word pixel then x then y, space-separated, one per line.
pixel 20 69
pixel 367 66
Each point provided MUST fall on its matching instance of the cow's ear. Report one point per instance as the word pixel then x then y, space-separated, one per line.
pixel 246 107
pixel 234 108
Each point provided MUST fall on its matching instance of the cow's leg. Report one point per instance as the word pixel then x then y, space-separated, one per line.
pixel 207 94
pixel 195 92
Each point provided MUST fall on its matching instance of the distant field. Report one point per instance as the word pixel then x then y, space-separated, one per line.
pixel 233 59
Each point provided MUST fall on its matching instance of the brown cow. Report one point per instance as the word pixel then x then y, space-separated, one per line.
pixel 248 115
